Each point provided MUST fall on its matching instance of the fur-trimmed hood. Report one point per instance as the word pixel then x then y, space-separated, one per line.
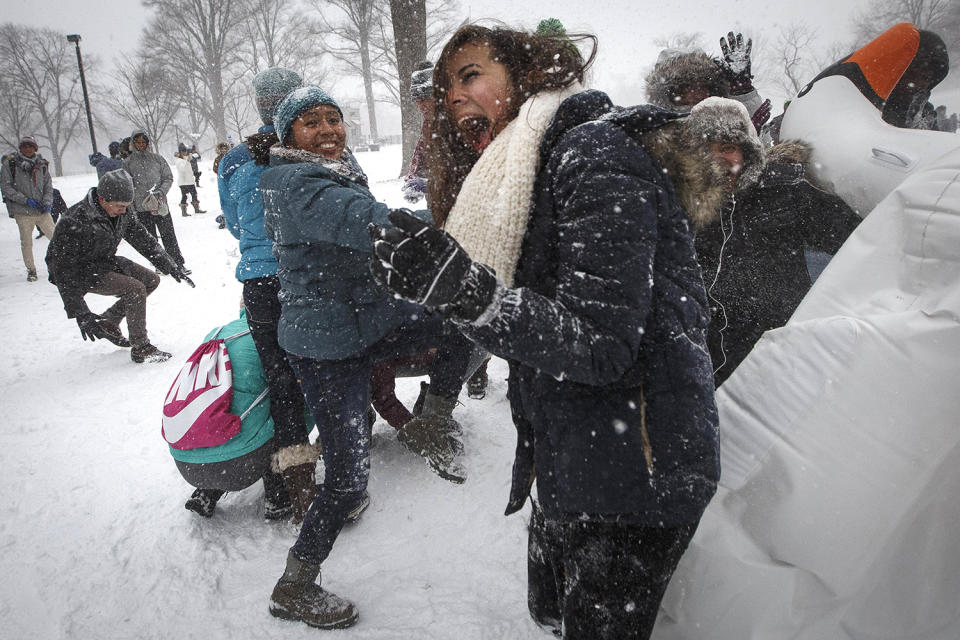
pixel 677 71
pixel 701 182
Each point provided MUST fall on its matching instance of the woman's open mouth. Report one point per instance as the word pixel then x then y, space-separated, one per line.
pixel 477 130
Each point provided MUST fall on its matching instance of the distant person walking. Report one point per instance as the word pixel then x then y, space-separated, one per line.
pixel 28 192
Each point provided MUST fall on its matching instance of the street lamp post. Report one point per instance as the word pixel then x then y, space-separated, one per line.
pixel 75 39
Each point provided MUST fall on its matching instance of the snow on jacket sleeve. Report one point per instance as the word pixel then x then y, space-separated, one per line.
pixel 65 253
pixel 333 209
pixel 605 224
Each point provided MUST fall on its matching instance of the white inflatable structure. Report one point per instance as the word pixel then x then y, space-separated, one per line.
pixel 855 153
pixel 838 511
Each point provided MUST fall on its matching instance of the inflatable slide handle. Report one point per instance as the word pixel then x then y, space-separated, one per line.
pixel 895 158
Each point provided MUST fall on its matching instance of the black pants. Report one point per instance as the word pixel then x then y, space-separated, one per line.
pixel 286 399
pixel 604 581
pixel 167 234
pixel 237 474
pixel 188 190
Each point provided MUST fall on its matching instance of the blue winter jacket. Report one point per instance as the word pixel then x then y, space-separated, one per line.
pixel 238 181
pixel 317 220
pixel 610 384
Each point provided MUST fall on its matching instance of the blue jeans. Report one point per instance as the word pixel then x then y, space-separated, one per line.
pixel 338 394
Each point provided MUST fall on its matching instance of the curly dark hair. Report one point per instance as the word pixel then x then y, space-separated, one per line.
pixel 534 63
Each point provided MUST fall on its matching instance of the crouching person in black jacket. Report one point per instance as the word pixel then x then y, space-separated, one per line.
pixel 83 259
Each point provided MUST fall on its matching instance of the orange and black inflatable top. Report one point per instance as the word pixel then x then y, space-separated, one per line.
pixel 876 67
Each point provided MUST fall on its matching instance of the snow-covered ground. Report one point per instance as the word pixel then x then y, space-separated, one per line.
pixel 94 537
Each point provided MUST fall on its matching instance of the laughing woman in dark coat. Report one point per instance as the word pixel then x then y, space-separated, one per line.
pixel 566 252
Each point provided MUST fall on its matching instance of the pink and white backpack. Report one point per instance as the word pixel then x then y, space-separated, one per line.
pixel 196 411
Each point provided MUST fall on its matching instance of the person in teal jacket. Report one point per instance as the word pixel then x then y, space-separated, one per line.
pixel 336 322
pixel 238 182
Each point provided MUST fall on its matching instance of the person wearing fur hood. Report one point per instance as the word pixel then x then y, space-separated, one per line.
pixel 762 250
pixel 683 77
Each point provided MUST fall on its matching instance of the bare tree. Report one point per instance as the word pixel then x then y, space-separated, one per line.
pixel 682 40
pixel 146 99
pixel 17 118
pixel 939 16
pixel 278 36
pixel 40 67
pixel 350 42
pixel 197 39
pixel 409 19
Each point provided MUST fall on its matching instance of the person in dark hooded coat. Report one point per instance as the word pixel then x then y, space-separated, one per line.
pixel 762 251
pixel 565 250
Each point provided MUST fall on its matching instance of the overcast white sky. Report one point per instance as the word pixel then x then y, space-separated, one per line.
pixel 626 28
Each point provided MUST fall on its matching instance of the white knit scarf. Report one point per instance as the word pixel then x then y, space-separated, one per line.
pixel 491 212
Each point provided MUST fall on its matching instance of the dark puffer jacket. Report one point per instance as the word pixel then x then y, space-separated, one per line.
pixel 761 242
pixel 84 248
pixel 605 331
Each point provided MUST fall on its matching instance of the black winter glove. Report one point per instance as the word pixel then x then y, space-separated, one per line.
pixel 178 274
pixel 735 63
pixel 426 265
pixel 89 326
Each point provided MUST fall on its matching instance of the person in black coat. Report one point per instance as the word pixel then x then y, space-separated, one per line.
pixel 82 258
pixel 762 251
pixel 565 250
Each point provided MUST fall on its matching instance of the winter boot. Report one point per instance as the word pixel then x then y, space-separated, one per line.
pixel 183 210
pixel 148 353
pixel 298 464
pixel 477 383
pixel 434 435
pixel 418 405
pixel 354 514
pixel 203 501
pixel 297 597
pixel 276 501
pixel 196 207
pixel 112 333
pixel 31 276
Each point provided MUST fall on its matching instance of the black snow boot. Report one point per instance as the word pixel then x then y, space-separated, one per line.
pixel 148 353
pixel 203 501
pixel 297 597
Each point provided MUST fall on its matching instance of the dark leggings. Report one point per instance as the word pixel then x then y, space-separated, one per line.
pixel 286 399
pixel 188 190
pixel 604 581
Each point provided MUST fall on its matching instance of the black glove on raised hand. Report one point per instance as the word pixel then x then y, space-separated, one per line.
pixel 89 326
pixel 426 265
pixel 735 63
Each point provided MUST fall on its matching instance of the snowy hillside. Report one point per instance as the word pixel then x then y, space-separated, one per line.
pixel 95 540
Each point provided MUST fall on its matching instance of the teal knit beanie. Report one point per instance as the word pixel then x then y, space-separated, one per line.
pixel 298 101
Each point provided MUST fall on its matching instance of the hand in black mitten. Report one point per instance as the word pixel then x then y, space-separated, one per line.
pixel 89 326
pixel 761 115
pixel 178 274
pixel 426 265
pixel 735 63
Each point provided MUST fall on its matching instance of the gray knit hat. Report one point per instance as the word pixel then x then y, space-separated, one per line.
pixel 421 82
pixel 680 69
pixel 116 186
pixel 271 86
pixel 296 102
pixel 724 120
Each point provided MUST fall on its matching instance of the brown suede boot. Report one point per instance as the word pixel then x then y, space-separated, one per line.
pixel 297 597
pixel 183 210
pixel 298 464
pixel 196 207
